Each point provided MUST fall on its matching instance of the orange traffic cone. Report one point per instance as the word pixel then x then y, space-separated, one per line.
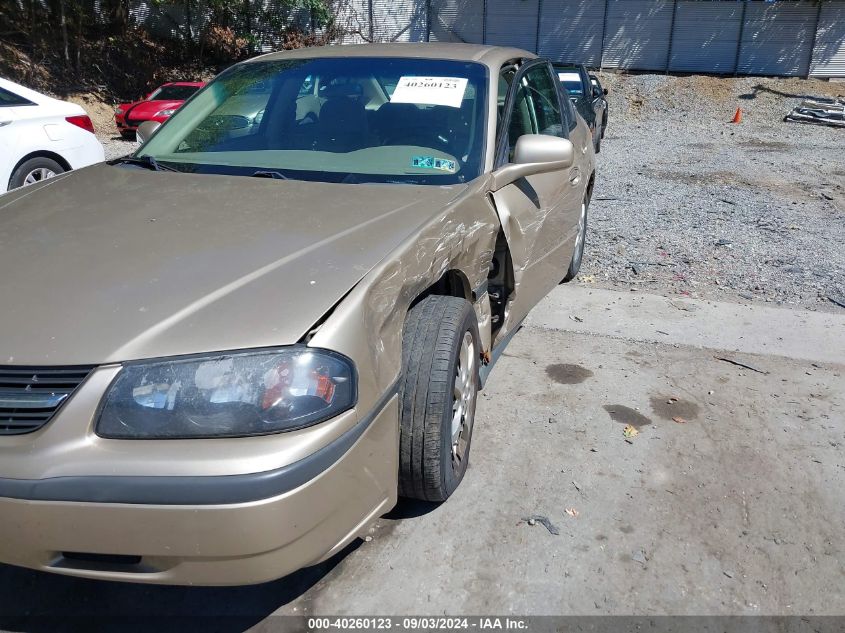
pixel 737 116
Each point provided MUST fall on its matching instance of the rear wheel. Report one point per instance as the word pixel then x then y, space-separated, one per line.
pixel 33 171
pixel 580 241
pixel 440 361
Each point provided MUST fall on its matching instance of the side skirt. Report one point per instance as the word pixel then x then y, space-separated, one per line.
pixel 485 370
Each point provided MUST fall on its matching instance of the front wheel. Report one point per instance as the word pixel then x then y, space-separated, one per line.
pixel 580 242
pixel 438 390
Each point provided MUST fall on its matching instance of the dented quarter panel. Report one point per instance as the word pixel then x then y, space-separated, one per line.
pixel 368 323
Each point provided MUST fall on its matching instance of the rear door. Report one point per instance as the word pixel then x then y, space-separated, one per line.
pixel 539 214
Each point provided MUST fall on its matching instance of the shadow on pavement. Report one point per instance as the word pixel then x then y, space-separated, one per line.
pixel 411 509
pixel 35 601
pixel 756 90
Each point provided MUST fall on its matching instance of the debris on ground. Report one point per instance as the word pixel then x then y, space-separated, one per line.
pixel 630 431
pixel 679 420
pixel 739 364
pixel 819 112
pixel 639 556
pixel 572 512
pixel 534 519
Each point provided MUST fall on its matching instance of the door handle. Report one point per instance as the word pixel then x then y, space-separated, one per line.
pixel 575 177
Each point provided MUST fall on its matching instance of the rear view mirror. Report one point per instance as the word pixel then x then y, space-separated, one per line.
pixel 146 130
pixel 535 154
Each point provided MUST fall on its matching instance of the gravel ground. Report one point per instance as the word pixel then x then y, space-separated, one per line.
pixel 687 203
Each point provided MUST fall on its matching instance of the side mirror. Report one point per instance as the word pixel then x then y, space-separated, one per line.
pixel 535 154
pixel 146 130
pixel 606 92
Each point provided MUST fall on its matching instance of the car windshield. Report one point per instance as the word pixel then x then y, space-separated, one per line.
pixel 571 79
pixel 173 93
pixel 352 120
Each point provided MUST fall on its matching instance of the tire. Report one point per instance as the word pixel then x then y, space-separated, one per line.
pixel 128 135
pixel 440 344
pixel 598 142
pixel 33 171
pixel 603 125
pixel 580 242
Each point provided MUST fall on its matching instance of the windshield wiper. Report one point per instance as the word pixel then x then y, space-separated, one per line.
pixel 264 173
pixel 142 161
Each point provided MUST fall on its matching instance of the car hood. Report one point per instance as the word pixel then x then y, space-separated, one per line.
pixel 109 263
pixel 149 108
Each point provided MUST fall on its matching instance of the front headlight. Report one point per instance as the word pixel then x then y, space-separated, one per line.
pixel 227 395
pixel 165 112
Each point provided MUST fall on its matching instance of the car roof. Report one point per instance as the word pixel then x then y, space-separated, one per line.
pixel 491 56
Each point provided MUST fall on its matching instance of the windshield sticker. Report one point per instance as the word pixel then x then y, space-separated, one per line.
pixel 445 91
pixel 430 162
pixel 573 77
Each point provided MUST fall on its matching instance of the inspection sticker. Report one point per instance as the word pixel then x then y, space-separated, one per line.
pixel 445 91
pixel 430 162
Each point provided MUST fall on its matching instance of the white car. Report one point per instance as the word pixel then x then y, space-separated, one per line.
pixel 41 137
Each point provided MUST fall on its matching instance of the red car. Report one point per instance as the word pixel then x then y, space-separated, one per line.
pixel 157 106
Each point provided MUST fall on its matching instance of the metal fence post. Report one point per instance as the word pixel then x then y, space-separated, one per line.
pixel 427 20
pixel 603 34
pixel 537 39
pixel 741 35
pixel 815 37
pixel 671 35
pixel 484 22
pixel 372 29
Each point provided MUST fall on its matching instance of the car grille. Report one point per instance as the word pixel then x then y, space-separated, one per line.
pixel 30 396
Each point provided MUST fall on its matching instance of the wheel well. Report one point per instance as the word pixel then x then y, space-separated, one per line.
pixel 453 283
pixel 44 154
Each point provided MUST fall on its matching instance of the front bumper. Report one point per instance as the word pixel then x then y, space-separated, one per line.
pixel 208 530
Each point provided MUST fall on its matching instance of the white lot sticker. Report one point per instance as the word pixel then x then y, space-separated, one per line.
pixel 569 77
pixel 445 91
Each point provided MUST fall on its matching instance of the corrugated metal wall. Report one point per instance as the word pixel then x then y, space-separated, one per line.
pixel 706 36
pixel 512 23
pixel 784 37
pixel 354 19
pixel 637 34
pixel 829 53
pixel 777 38
pixel 572 30
pixel 457 21
pixel 399 21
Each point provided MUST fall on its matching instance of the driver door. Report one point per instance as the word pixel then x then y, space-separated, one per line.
pixel 539 213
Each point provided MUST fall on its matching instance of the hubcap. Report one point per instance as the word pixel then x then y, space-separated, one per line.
pixel 463 403
pixel 37 175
